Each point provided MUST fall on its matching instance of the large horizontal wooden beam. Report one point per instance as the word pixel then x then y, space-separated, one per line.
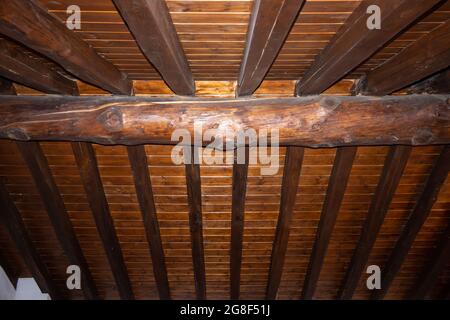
pixel 30 24
pixel 426 56
pixel 355 42
pixel 311 122
pixel 152 27
pixel 26 69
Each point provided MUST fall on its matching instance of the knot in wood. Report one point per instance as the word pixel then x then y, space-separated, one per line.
pixel 111 119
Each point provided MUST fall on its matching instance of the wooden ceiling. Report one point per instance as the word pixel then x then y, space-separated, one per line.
pixel 142 227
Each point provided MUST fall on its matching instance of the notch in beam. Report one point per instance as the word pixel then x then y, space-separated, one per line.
pixel 53 202
pixel 394 166
pixel 289 186
pixel 144 192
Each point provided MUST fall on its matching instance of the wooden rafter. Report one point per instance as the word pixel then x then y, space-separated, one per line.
pixel 415 222
pixel 161 46
pixel 289 186
pixel 311 121
pixel 10 217
pixel 239 189
pixel 30 24
pixel 354 42
pixel 390 177
pixel 431 271
pixel 7 268
pixel 335 193
pixel 423 58
pixel 25 69
pixel 90 176
pixel 194 192
pixel 53 202
pixel 6 87
pixel 144 192
pixel 269 26
pixel 436 84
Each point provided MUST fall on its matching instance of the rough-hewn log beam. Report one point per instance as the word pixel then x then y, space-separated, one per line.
pixel 53 202
pixel 289 186
pixel 152 27
pixel 335 193
pixel 30 24
pixel 415 222
pixel 239 189
pixel 90 176
pixel 354 43
pixel 269 26
pixel 194 192
pixel 438 262
pixel 437 84
pixel 390 177
pixel 24 69
pixel 144 192
pixel 311 121
pixel 10 217
pixel 426 56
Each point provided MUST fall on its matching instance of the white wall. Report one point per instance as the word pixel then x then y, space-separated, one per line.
pixel 27 289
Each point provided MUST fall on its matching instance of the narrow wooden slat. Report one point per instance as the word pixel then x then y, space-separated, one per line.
pixel 25 69
pixel 6 87
pixel 239 189
pixel 320 121
pixel 53 202
pixel 144 192
pixel 390 177
pixel 335 193
pixel 415 222
pixel 438 262
pixel 423 58
pixel 30 24
pixel 194 192
pixel 151 24
pixel 10 217
pixel 291 176
pixel 437 84
pixel 87 164
pixel 354 42
pixel 269 26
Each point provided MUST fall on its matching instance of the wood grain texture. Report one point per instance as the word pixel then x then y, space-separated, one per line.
pixel 30 24
pixel 90 176
pixel 269 26
pixel 312 121
pixel 10 217
pixel 392 171
pixel 436 84
pixel 423 58
pixel 289 186
pixel 144 192
pixel 54 204
pixel 415 222
pixel 335 193
pixel 161 46
pixel 354 43
pixel 194 194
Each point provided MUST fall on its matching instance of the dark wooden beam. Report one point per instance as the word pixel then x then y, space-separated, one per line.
pixel 151 24
pixel 354 43
pixel 335 193
pixel 30 24
pixel 144 192
pixel 90 176
pixel 269 26
pixel 415 222
pixel 439 260
pixel 194 192
pixel 6 87
pixel 423 58
pixel 239 189
pixel 390 177
pixel 10 217
pixel 27 69
pixel 53 202
pixel 321 121
pixel 289 186
pixel 7 268
pixel 436 84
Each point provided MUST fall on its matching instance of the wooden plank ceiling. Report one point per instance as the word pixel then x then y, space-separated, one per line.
pixel 221 231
